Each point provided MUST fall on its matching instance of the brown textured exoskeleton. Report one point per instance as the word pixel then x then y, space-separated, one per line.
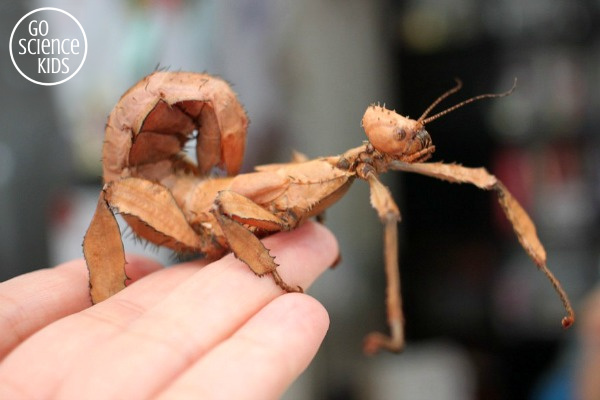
pixel 173 202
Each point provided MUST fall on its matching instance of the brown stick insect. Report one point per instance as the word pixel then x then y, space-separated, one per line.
pixel 171 201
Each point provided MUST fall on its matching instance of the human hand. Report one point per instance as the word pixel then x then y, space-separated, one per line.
pixel 179 332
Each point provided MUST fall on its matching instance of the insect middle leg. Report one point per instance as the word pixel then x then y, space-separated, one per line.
pixel 382 201
pixel 232 210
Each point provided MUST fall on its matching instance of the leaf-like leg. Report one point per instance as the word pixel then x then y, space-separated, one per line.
pixel 231 211
pixel 104 254
pixel 382 201
pixel 152 212
pixel 518 217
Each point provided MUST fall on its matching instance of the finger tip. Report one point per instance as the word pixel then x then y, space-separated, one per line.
pixel 310 321
pixel 318 313
pixel 309 318
pixel 304 253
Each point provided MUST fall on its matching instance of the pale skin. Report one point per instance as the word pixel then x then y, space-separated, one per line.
pixel 214 331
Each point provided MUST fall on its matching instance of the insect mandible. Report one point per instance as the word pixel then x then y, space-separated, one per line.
pixel 171 201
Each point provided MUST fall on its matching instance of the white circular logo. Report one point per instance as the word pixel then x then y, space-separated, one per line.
pixel 48 46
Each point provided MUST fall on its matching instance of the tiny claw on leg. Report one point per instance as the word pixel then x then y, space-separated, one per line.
pixel 279 281
pixel 376 341
pixel 568 321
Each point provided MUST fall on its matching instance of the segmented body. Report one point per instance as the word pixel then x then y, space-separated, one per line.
pixel 172 201
pixel 146 134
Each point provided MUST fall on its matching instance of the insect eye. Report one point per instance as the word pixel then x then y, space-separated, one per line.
pixel 400 134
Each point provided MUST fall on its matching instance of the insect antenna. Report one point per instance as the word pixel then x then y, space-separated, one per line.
pixel 462 103
pixel 442 97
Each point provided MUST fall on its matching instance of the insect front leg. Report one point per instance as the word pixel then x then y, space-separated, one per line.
pixel 232 210
pixel 518 217
pixel 382 201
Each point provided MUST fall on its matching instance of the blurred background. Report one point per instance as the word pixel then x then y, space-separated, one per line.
pixel 482 322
